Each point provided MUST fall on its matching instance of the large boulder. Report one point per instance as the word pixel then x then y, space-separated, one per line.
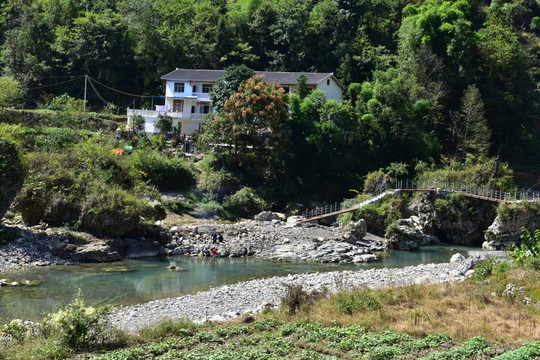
pixel 11 175
pixel 506 228
pixel 454 218
pixel 268 216
pixel 109 223
pixel 354 232
pixel 407 234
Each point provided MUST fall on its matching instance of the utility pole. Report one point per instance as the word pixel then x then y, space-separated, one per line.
pixel 85 84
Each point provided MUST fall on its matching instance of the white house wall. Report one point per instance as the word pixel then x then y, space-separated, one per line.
pixel 332 90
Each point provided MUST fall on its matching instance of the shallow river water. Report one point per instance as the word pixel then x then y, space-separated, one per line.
pixel 138 280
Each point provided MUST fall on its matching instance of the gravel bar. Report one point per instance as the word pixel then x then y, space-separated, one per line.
pixel 230 301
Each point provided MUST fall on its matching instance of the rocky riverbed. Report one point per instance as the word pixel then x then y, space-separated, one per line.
pixel 230 301
pixel 272 238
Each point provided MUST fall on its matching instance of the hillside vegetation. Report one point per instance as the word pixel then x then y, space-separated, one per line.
pixel 425 80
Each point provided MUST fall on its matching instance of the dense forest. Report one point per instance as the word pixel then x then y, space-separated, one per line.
pixel 427 81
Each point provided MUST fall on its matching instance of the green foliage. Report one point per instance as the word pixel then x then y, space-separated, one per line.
pixel 87 186
pixel 10 92
pixel 11 170
pixel 65 103
pixel 529 251
pixel 471 128
pixel 511 212
pixel 484 270
pixel 164 123
pixel 78 326
pixel 138 123
pixel 376 182
pixel 165 173
pixel 528 351
pixel 473 346
pixel 59 139
pixel 244 203
pixel 481 171
pixel 229 84
pixel 301 89
pixel 359 300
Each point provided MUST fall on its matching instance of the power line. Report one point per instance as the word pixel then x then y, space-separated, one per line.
pixel 60 83
pixel 95 90
pixel 120 91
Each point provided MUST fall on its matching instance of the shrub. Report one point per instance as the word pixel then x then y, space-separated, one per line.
pixel 481 171
pixel 296 298
pixel 484 270
pixel 529 251
pixel 349 303
pixel 78 326
pixel 66 103
pixel 58 138
pixel 165 173
pixel 528 351
pixel 209 209
pixel 376 182
pixel 164 123
pixel 244 203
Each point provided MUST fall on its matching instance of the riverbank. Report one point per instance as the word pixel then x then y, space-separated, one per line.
pixel 230 301
pixel 275 240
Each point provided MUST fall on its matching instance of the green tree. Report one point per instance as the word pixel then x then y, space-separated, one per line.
pixel 254 125
pixel 10 92
pixel 506 83
pixel 471 128
pixel 301 86
pixel 138 123
pixel 228 84
pixel 96 44
pixel 164 123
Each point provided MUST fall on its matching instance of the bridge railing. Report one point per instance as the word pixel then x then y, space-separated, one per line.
pixel 344 205
pixel 470 190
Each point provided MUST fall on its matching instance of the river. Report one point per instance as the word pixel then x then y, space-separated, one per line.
pixel 139 280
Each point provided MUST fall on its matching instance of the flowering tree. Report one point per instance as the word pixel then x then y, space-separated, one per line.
pixel 253 126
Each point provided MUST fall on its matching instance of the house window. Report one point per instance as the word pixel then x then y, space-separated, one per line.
pixel 178 106
pixel 328 82
pixel 286 89
pixel 194 88
pixel 179 87
pixel 204 107
pixel 206 88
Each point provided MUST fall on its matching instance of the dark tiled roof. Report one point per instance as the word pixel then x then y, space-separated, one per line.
pixel 291 77
pixel 284 78
pixel 193 74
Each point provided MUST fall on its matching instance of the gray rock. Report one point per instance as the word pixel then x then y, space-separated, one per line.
pixel 353 233
pixel 457 258
pixel 364 258
pixel 266 216
pixel 506 230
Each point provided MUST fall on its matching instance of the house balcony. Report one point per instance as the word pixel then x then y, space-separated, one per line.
pixel 173 114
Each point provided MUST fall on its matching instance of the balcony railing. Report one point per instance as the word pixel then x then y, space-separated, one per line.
pixel 173 114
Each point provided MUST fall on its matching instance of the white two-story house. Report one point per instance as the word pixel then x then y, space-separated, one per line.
pixel 187 95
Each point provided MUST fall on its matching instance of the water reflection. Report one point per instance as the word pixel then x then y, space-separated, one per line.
pixel 138 280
